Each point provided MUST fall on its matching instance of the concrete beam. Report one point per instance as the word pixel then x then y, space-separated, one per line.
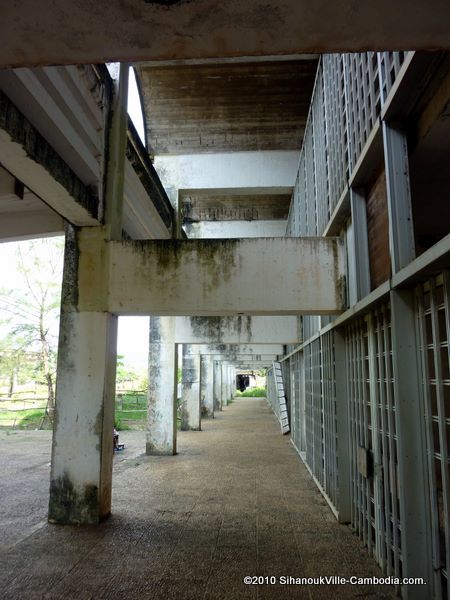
pixel 176 29
pixel 29 157
pixel 239 358
pixel 235 229
pixel 260 276
pixel 271 171
pixel 240 349
pixel 30 224
pixel 238 330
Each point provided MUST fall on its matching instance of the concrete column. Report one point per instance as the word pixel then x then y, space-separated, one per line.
pixel 217 391
pixel 190 404
pixel 232 381
pixel 81 473
pixel 162 380
pixel 228 383
pixel 82 450
pixel 206 386
pixel 224 385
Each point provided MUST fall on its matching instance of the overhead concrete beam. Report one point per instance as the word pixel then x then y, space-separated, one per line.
pixel 272 171
pixel 260 276
pixel 31 224
pixel 238 330
pixel 238 358
pixel 239 349
pixel 178 29
pixel 251 366
pixel 29 157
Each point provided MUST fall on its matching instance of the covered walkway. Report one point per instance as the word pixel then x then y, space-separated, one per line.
pixel 236 501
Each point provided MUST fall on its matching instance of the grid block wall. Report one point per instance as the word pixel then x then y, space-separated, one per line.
pixel 433 318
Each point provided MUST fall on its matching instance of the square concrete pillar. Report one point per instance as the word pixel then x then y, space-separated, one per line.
pixel 217 386
pixel 232 381
pixel 81 474
pixel 82 450
pixel 206 385
pixel 190 399
pixel 224 386
pixel 162 380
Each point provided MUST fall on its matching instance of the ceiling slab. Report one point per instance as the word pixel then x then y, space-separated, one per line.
pixel 227 107
pixel 83 31
pixel 22 214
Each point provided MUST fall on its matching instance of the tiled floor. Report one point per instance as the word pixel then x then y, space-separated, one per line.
pixel 235 502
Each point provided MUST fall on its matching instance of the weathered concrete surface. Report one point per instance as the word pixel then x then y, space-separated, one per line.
pixel 238 330
pixel 180 29
pixel 238 350
pixel 80 488
pixel 217 385
pixel 190 397
pixel 273 170
pixel 180 531
pixel 227 107
pixel 26 154
pixel 258 276
pixel 162 377
pixel 206 385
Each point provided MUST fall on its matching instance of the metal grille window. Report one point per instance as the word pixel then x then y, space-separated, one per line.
pixel 310 194
pixel 433 314
pixel 320 154
pixel 285 369
pixel 336 128
pixel 373 439
pixel 272 395
pixel 384 439
pixel 329 417
pixel 300 395
pixel 363 103
pixel 362 491
pixel 389 64
pixel 314 410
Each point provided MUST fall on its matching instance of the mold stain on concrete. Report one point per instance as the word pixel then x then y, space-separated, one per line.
pixel 71 506
pixel 207 327
pixel 69 292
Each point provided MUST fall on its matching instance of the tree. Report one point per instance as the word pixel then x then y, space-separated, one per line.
pixel 125 373
pixel 30 309
pixel 13 360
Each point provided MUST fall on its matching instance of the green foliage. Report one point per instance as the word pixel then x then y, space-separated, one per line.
pixel 120 425
pixel 130 406
pixel 29 313
pixel 257 392
pixel 179 403
pixel 125 373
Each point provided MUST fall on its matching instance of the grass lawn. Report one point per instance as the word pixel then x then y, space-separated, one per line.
pixel 257 392
pixel 22 419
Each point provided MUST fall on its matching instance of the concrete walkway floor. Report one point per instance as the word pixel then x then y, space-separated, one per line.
pixel 235 502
